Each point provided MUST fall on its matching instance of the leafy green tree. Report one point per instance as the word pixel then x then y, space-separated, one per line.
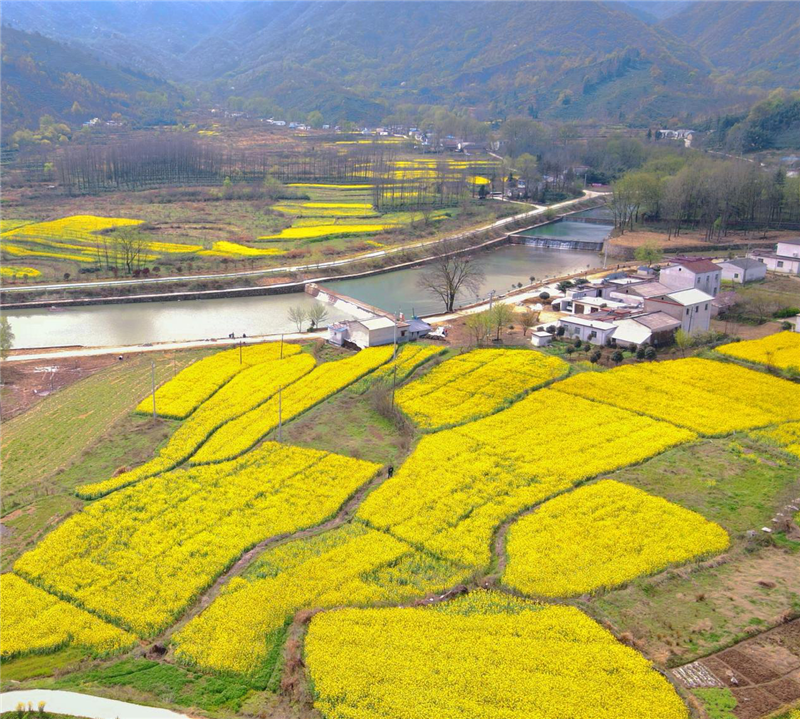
pixel 650 252
pixel 6 336
pixel 315 119
pixel 684 341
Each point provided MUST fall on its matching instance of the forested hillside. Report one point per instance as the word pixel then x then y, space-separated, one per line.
pixel 756 43
pixel 636 63
pixel 42 77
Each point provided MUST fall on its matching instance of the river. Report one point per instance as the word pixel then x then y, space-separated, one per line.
pixel 140 323
pixel 82 705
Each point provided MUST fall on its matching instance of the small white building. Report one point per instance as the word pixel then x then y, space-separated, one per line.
pixel 376 331
pixel 691 307
pixel 785 258
pixel 742 270
pixel 593 331
pixel 692 273
pixel 540 338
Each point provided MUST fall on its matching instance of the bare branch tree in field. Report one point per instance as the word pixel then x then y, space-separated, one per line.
pixel 130 246
pixel 450 273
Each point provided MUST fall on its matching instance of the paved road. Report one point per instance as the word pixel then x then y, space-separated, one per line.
pixel 45 354
pixel 83 705
pixel 588 194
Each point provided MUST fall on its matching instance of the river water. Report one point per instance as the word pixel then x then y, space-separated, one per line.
pixel 140 323
pixel 82 705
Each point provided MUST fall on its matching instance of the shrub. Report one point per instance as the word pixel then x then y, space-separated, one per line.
pixel 544 295
pixel 650 353
pixel 787 312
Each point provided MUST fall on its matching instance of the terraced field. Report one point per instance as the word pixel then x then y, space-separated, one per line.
pixel 212 546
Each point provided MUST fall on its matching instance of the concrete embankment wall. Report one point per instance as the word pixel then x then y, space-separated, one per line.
pixel 360 310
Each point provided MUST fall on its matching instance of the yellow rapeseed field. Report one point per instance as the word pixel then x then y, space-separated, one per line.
pixel 352 565
pixel 476 384
pixel 483 655
pixel 247 390
pixel 242 433
pixel 601 536
pixel 37 622
pixel 409 358
pixel 459 484
pixel 712 398
pixel 234 249
pixel 780 350
pixel 786 435
pixel 317 231
pixel 17 271
pixel 142 555
pixel 185 392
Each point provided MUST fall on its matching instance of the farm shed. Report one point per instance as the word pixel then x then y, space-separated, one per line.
pixel 743 269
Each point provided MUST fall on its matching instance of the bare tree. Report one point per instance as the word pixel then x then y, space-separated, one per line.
pixel 130 246
pixel 449 273
pixel 317 314
pixel 298 316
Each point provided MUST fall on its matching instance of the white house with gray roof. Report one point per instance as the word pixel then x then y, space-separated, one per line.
pixel 741 270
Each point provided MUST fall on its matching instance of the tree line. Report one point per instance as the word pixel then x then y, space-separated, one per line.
pixel 713 195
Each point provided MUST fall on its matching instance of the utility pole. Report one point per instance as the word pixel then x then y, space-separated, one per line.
pixel 281 346
pixel 153 378
pixel 241 342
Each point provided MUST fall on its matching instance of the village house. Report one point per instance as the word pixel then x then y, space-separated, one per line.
pixel 650 328
pixel 692 307
pixel 685 273
pixel 635 294
pixel 594 331
pixel 785 258
pixel 376 331
pixel 742 270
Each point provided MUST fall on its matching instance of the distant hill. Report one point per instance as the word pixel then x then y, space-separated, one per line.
pixel 638 62
pixel 758 43
pixel 512 57
pixel 43 77
pixel 147 36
